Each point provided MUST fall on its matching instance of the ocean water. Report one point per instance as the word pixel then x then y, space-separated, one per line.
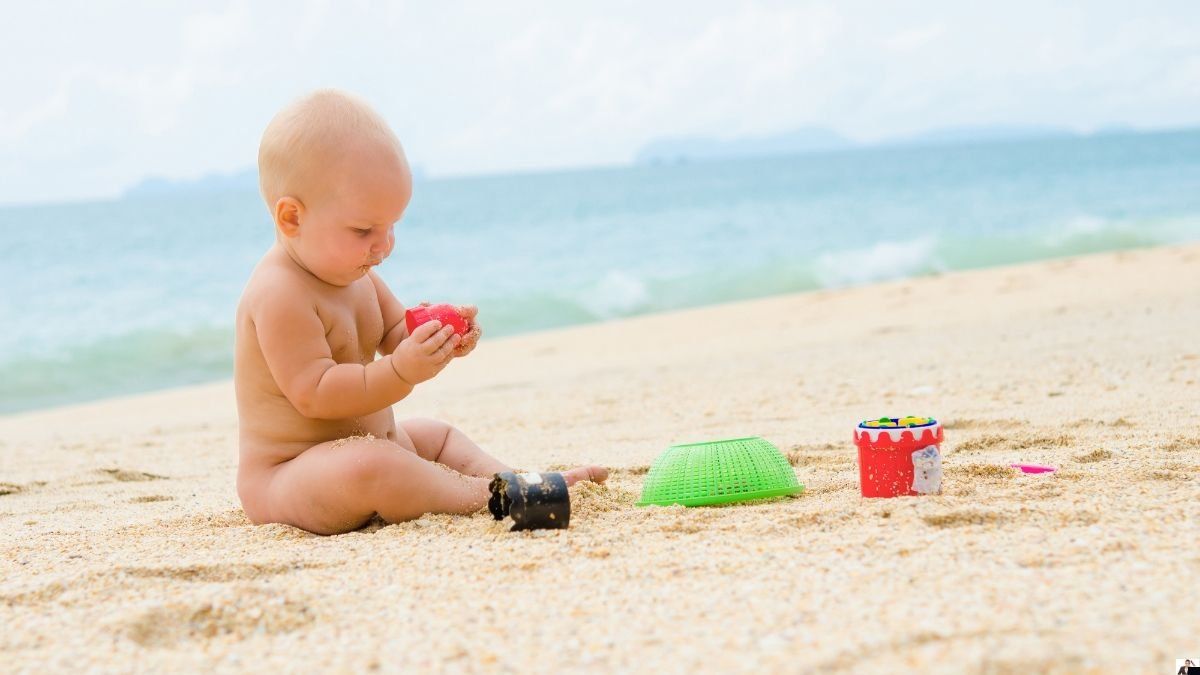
pixel 138 294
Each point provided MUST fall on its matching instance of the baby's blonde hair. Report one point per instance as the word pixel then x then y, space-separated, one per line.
pixel 307 135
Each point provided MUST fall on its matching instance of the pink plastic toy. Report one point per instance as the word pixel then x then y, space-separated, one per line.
pixel 1033 468
pixel 447 314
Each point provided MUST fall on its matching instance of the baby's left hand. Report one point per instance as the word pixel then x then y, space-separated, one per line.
pixel 468 342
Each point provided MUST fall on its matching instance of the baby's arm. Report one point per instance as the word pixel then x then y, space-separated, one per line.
pixel 297 353
pixel 394 330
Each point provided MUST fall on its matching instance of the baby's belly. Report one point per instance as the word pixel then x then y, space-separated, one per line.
pixel 276 433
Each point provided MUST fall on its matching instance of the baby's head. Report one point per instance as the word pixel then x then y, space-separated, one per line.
pixel 335 180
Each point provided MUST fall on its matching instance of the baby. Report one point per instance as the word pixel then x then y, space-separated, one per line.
pixel 319 447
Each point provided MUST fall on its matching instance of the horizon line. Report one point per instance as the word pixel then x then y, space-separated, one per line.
pixel 1050 131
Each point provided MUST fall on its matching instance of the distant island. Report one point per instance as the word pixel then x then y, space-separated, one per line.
pixel 673 150
pixel 245 180
pixel 818 139
pixel 238 181
pixel 980 134
pixel 811 139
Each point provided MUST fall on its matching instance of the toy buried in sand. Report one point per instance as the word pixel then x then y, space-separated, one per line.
pixel 719 472
pixel 899 456
pixel 536 501
pixel 447 314
pixel 1034 468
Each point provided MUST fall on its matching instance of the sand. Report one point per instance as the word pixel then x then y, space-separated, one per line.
pixel 123 547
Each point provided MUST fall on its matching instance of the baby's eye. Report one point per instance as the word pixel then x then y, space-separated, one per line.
pixel 361 233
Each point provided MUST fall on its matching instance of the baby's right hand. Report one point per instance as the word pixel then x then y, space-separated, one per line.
pixel 423 354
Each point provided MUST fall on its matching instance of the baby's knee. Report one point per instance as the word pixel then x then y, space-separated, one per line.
pixel 426 426
pixel 365 464
pixel 427 434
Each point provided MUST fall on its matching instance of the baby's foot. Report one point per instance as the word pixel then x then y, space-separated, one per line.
pixel 596 474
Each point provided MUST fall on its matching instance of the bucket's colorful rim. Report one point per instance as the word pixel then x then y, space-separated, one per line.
pixel 896 420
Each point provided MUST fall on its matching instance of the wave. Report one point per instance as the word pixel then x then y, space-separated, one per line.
pixel 1080 235
pixel 617 293
pixel 882 261
pixel 126 364
pixel 148 359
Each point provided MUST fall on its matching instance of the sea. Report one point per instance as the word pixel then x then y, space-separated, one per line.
pixel 136 294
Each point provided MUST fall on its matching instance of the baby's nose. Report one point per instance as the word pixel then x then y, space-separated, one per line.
pixel 383 246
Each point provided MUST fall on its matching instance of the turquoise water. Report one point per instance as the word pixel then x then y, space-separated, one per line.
pixel 138 294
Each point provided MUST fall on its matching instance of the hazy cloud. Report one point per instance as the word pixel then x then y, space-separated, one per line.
pixel 96 98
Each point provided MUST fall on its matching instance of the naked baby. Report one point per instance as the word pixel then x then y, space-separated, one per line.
pixel 322 348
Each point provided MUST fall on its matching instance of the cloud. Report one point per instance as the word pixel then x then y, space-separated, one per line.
pixel 120 92
pixel 591 82
pixel 17 125
pixel 914 37
pixel 113 110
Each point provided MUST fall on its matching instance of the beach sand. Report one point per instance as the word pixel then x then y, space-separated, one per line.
pixel 123 547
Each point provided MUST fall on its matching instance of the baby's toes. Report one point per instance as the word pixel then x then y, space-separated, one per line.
pixel 595 474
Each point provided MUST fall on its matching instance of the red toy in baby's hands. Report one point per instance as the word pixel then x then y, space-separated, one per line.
pixel 447 314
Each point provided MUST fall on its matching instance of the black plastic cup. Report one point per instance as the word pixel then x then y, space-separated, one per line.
pixel 536 501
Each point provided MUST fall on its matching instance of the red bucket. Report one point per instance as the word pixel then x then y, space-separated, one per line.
pixel 899 456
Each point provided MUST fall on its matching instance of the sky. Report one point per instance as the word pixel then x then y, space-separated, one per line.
pixel 97 96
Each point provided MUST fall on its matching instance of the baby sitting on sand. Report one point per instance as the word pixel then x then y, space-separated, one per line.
pixel 319 447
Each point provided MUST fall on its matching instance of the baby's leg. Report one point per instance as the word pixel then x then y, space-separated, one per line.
pixel 337 486
pixel 440 442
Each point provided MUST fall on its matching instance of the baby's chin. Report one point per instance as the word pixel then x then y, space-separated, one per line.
pixel 345 278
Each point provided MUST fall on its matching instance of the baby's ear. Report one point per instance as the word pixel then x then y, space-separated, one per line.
pixel 287 216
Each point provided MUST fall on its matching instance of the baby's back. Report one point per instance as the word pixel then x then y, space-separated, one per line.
pixel 271 428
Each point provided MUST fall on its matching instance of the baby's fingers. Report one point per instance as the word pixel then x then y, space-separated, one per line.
pixel 437 340
pixel 446 351
pixel 426 330
pixel 469 341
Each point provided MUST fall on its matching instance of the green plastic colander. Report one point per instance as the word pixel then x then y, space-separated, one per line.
pixel 719 472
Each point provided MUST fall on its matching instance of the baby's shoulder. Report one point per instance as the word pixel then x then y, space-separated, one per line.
pixel 273 285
